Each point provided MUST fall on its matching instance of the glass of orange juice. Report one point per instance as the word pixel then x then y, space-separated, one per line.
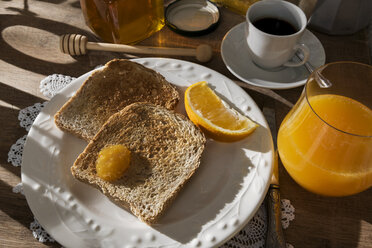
pixel 123 21
pixel 325 141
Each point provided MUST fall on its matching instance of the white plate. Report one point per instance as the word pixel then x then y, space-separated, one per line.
pixel 235 54
pixel 221 197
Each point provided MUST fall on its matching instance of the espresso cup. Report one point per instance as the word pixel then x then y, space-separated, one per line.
pixel 274 28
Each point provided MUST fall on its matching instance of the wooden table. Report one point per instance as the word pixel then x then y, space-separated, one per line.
pixel 29 52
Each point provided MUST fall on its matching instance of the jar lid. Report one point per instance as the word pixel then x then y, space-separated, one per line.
pixel 192 17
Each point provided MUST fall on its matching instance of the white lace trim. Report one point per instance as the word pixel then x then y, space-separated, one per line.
pixel 288 212
pixel 16 151
pixel 53 83
pixel 39 233
pixel 28 115
pixel 18 189
pixel 252 235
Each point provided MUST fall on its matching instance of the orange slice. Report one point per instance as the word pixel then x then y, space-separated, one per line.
pixel 214 116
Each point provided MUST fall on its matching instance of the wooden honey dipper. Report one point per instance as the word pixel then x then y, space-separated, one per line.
pixel 76 44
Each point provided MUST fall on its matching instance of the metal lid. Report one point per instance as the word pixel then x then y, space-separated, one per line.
pixel 192 17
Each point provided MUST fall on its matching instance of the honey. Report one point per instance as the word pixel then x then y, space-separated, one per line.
pixel 123 21
pixel 112 162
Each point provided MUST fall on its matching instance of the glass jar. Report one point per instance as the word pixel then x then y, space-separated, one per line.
pixel 123 21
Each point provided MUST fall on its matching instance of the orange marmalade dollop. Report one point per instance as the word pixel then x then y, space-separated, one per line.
pixel 112 162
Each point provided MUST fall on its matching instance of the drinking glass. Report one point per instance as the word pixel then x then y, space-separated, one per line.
pixel 123 21
pixel 325 141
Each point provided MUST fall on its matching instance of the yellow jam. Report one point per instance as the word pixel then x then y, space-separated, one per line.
pixel 112 162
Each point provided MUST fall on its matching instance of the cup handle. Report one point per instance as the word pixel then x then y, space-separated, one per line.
pixel 306 54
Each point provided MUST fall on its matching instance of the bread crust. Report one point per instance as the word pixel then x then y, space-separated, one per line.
pixel 166 150
pixel 120 83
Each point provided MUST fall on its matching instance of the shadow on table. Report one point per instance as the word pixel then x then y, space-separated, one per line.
pixel 327 222
pixel 12 204
pixel 11 131
pixel 15 207
pixel 43 45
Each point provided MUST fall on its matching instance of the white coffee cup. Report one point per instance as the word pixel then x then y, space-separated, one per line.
pixel 273 50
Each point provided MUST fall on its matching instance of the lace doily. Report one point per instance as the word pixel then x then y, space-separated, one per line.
pixel 251 236
pixel 29 113
pixel 39 232
pixel 50 85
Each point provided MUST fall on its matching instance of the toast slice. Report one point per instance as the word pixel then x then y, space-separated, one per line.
pixel 165 147
pixel 120 83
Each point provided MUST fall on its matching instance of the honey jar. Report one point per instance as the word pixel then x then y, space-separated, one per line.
pixel 237 6
pixel 123 21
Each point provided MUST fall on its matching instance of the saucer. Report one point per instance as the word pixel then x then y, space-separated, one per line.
pixel 235 54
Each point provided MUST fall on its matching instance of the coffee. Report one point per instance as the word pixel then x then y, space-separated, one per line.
pixel 274 26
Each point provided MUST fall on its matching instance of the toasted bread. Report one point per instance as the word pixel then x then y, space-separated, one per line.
pixel 165 147
pixel 120 83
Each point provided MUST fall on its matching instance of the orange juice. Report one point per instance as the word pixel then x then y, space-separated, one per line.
pixel 328 149
pixel 123 21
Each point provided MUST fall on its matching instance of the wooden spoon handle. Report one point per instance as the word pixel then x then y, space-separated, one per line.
pixel 76 44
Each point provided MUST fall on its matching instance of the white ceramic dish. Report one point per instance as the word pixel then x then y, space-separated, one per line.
pixel 235 54
pixel 217 202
